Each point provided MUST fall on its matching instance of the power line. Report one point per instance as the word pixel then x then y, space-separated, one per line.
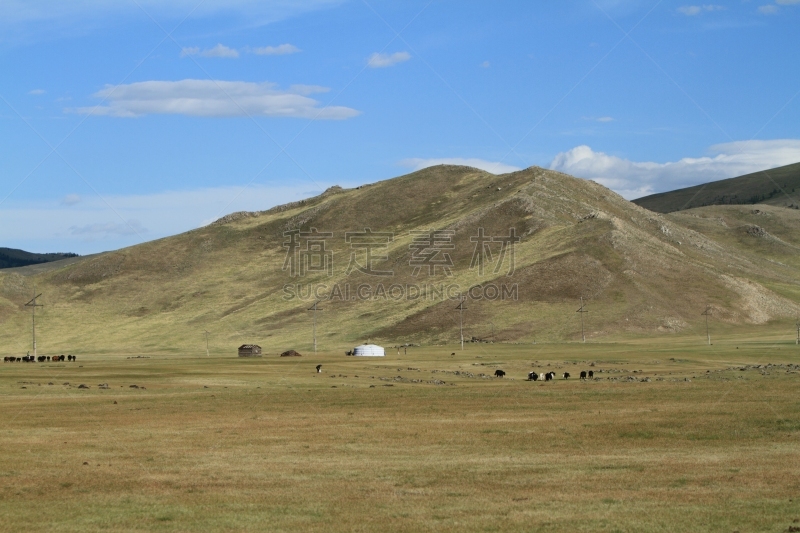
pixel 461 310
pixel 314 330
pixel 33 305
pixel 581 310
pixel 707 313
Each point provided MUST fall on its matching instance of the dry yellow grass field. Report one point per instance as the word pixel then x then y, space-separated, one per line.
pixel 668 437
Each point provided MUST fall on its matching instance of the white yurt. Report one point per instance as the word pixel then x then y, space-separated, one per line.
pixel 369 350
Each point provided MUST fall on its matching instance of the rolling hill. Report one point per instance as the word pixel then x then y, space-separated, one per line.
pixel 251 277
pixel 778 186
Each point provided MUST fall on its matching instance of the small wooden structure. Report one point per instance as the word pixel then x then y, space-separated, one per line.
pixel 249 350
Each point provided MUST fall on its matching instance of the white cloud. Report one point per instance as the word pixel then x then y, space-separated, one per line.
pixel 115 221
pixel 210 98
pixel 71 199
pixel 281 50
pixel 485 64
pixel 495 167
pixel 696 10
pixel 378 60
pixel 787 2
pixel 599 119
pixel 633 179
pixel 218 51
pixel 37 92
pixel 768 9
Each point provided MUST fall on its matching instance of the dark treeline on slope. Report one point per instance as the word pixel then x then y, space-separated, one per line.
pixel 778 186
pixel 11 258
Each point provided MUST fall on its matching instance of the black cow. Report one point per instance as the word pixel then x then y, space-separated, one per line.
pixel 48 358
pixel 319 369
pixel 533 376
pixel 583 374
pixel 566 375
pixel 499 373
pixel 41 358
pixel 548 376
pixel 591 374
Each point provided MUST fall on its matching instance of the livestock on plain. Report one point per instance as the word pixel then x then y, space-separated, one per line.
pixel 583 374
pixel 533 376
pixel 566 375
pixel 499 373
pixel 591 374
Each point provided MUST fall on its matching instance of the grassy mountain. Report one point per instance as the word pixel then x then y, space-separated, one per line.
pixel 641 273
pixel 11 258
pixel 778 186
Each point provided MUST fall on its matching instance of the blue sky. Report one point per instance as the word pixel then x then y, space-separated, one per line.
pixel 125 121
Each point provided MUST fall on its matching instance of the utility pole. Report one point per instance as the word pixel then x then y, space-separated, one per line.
pixel 707 313
pixel 206 332
pixel 492 323
pixel 461 310
pixel 314 330
pixel 797 324
pixel 33 305
pixel 581 310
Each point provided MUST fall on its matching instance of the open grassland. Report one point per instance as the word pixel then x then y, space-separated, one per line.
pixel 668 437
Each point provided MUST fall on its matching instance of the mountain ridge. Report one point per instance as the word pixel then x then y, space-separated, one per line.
pixel 641 272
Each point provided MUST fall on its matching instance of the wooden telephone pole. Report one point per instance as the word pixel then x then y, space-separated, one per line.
pixel 797 325
pixel 314 330
pixel 581 310
pixel 707 313
pixel 33 305
pixel 461 310
pixel 206 332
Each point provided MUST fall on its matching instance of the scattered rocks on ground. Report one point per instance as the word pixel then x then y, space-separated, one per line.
pixel 82 386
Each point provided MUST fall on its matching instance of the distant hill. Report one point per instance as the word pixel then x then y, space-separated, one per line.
pixel 12 258
pixel 251 277
pixel 758 188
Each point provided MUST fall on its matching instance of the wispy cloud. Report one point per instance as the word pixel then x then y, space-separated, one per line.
pixel 280 50
pixel 37 92
pixel 217 51
pixel 485 64
pixel 599 119
pixel 696 10
pixel 71 199
pixel 633 179
pixel 768 9
pixel 378 60
pixel 495 167
pixel 96 224
pixel 210 98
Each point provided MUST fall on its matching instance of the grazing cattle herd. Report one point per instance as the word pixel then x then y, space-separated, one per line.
pixel 40 359
pixel 549 376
